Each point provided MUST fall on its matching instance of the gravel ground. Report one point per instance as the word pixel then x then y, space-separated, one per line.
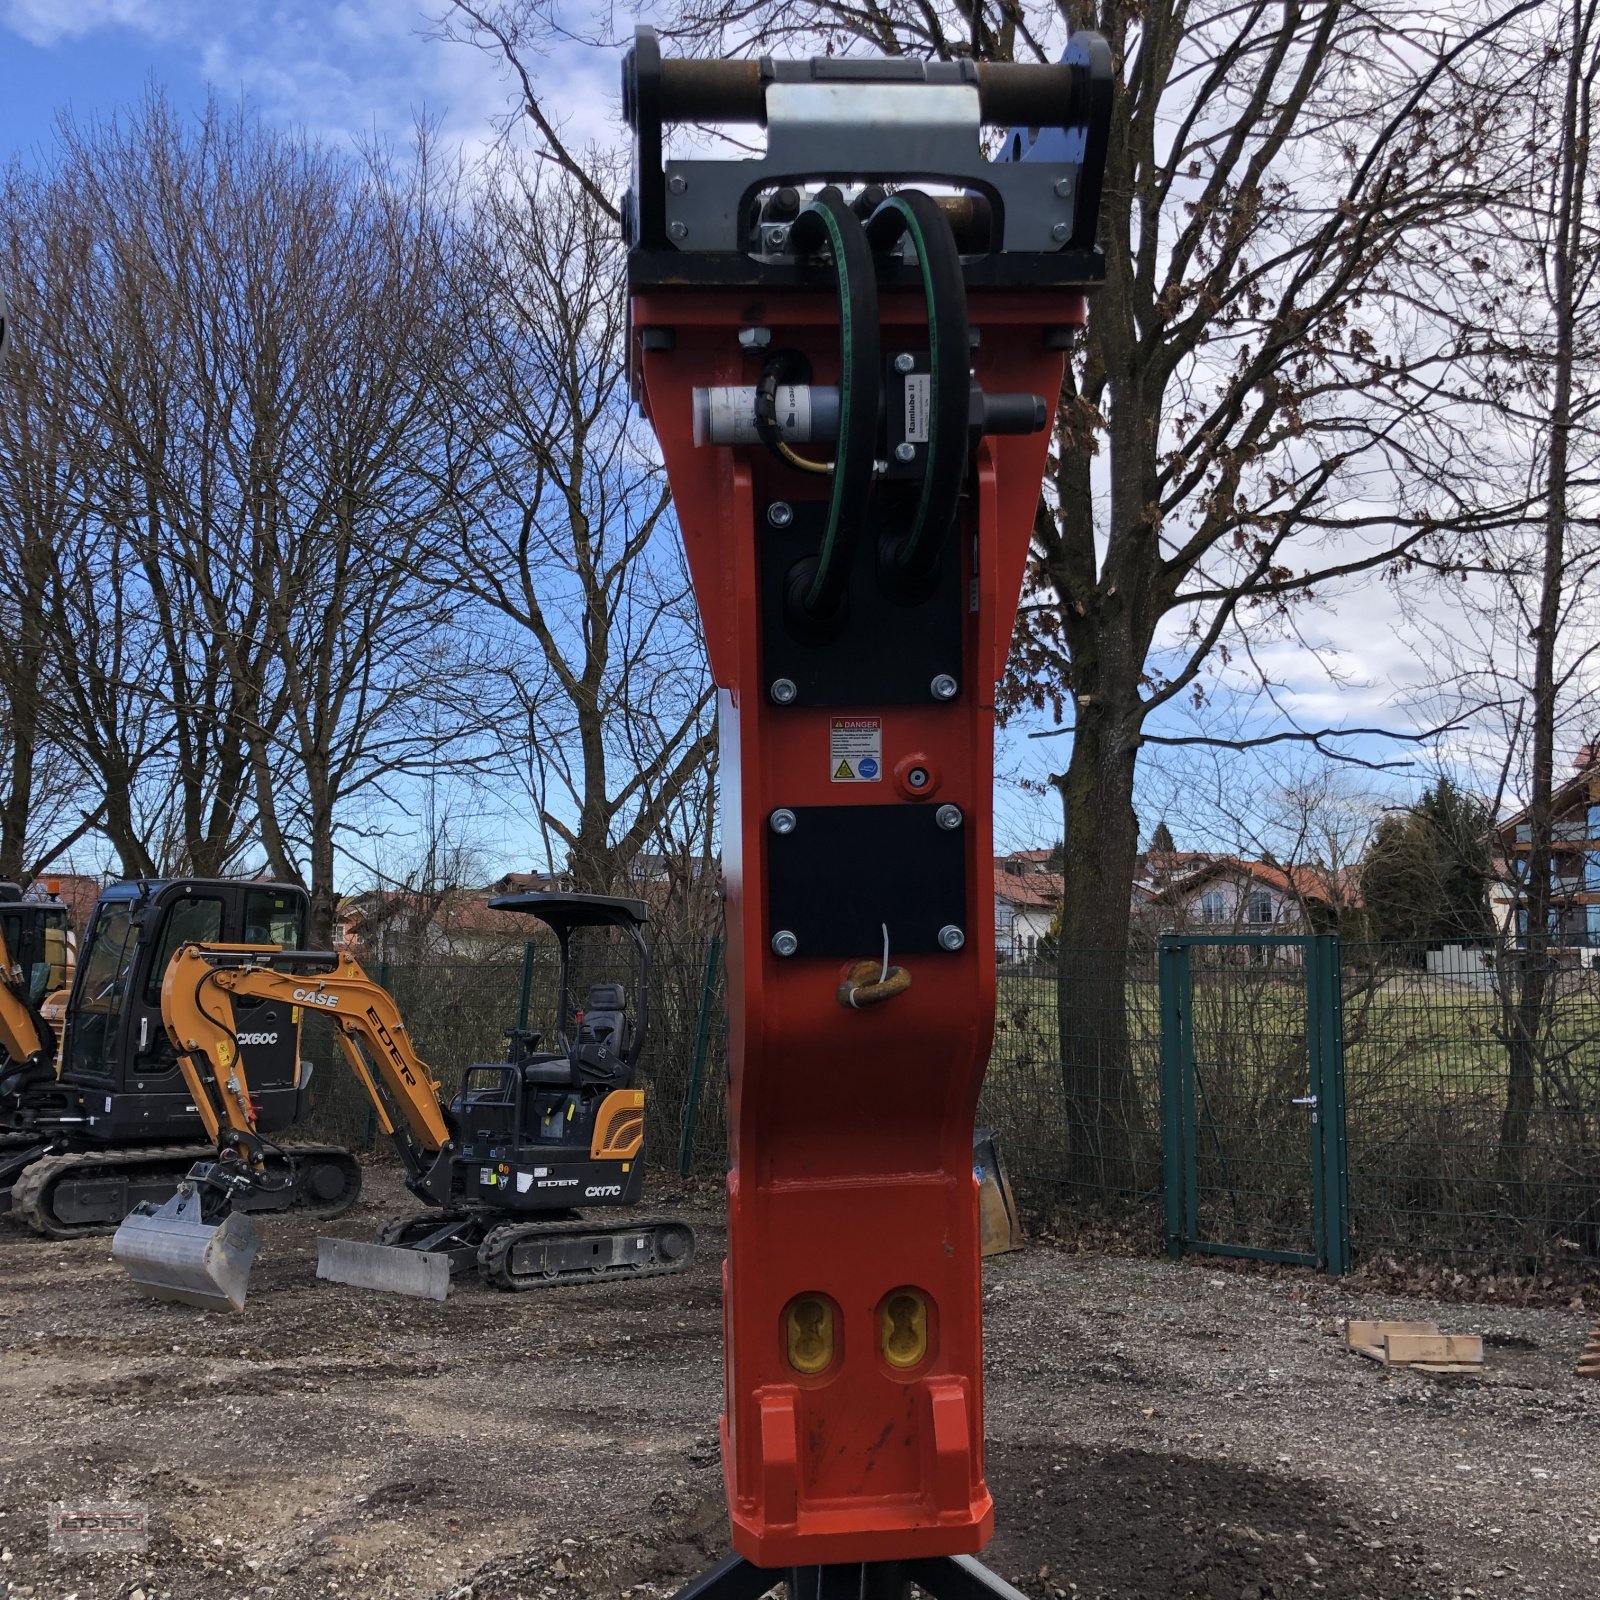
pixel 1157 1432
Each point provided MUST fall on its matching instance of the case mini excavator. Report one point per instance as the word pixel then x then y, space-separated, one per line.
pixel 100 1119
pixel 502 1167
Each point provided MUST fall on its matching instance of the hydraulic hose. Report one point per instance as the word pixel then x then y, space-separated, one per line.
pixel 950 373
pixel 829 221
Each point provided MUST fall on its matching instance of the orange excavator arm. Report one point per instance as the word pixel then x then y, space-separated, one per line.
pixel 23 1034
pixel 198 992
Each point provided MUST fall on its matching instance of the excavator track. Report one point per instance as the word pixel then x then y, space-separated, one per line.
pixel 72 1196
pixel 542 1255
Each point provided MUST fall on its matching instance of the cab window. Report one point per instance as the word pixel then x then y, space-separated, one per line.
pixel 194 921
pixel 273 917
pixel 100 987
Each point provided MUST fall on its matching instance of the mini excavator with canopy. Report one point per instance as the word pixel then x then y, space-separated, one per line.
pixel 502 1167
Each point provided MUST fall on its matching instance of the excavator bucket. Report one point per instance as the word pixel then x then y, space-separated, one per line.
pixel 997 1206
pixel 394 1269
pixel 171 1253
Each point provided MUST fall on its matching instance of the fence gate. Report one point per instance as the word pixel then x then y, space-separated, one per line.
pixel 1252 1098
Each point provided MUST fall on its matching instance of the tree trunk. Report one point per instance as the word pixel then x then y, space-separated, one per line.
pixel 1102 843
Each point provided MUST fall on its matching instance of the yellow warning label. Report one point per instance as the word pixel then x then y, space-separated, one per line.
pixel 843 771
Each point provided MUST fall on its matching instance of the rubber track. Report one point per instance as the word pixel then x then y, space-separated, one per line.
pixel 494 1254
pixel 29 1193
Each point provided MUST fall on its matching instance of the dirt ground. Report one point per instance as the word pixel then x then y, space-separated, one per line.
pixel 1156 1431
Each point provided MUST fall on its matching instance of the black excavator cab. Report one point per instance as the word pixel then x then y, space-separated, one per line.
pixel 528 1126
pixel 35 933
pixel 118 1072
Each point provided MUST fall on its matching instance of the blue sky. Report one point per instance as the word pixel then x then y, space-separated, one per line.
pixel 356 69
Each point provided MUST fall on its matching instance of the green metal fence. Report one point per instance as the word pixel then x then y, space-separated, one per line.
pixel 1443 1160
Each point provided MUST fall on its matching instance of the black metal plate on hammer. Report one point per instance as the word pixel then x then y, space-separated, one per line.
pixel 885 651
pixel 845 871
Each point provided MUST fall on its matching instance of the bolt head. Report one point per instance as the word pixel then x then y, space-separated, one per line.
pixel 1063 187
pixel 678 230
pixel 784 943
pixel 943 687
pixel 677 183
pixel 1060 232
pixel 782 820
pixel 951 937
pixel 783 691
pixel 948 818
pixel 754 338
pixel 780 514
pixel 905 451
pixel 904 362
pixel 778 237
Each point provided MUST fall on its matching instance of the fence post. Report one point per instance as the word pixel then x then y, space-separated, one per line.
pixel 1171 961
pixel 1334 1246
pixel 525 995
pixel 702 1043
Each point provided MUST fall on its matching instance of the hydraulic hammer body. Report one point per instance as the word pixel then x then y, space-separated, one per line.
pixel 910 345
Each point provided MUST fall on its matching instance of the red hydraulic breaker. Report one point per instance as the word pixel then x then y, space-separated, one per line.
pixel 850 349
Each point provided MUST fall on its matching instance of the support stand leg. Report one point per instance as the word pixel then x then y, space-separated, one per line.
pixel 941 1577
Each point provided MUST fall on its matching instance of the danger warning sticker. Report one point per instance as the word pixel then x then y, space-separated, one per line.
pixel 855 749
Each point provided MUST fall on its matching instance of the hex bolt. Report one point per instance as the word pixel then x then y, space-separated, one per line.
pixel 677 183
pixel 948 818
pixel 917 777
pixel 782 820
pixel 1063 187
pixel 783 691
pixel 754 338
pixel 943 687
pixel 1059 232
pixel 904 362
pixel 905 451
pixel 778 238
pixel 951 937
pixel 780 514
pixel 784 943
pixel 678 230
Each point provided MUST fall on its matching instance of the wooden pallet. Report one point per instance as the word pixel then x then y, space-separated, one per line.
pixel 1418 1346
pixel 1589 1361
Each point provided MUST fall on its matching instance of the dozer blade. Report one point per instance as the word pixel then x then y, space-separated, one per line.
pixel 170 1253
pixel 391 1268
pixel 997 1207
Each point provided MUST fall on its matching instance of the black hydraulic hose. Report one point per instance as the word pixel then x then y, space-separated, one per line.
pixel 829 221
pixel 950 373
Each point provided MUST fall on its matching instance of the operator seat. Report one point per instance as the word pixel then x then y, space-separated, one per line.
pixel 602 1037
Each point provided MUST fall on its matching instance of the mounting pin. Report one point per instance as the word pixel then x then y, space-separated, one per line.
pixel 782 820
pixel 783 691
pixel 780 514
pixel 948 818
pixel 905 451
pixel 784 943
pixel 678 230
pixel 950 937
pixel 904 362
pixel 943 687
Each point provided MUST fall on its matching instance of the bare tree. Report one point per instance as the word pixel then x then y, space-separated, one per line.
pixel 1266 371
pixel 564 534
pixel 265 331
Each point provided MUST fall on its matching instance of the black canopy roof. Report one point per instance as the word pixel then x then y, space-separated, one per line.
pixel 564 912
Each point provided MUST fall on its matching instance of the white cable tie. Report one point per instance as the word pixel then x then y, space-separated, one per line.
pixel 853 994
pixel 883 977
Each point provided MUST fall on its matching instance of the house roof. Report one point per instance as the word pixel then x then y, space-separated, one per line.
pixel 1306 884
pixel 1583 785
pixel 1040 889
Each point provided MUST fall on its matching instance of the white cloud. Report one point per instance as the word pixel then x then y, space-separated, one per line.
pixel 49 22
